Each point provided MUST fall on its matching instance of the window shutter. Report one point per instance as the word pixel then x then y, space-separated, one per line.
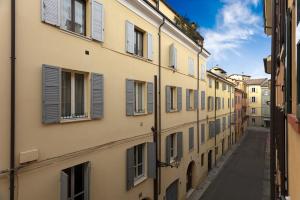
pixel 129 97
pixel 97 96
pixel 168 148
pixel 223 103
pixel 191 138
pixel 179 99
pixel 179 146
pixel 173 56
pixel 150 46
pixel 202 133
pixel 202 100
pixel 213 103
pixel 51 94
pixel 87 176
pixel 196 99
pixel 209 103
pixel 191 66
pixel 130 169
pixel 187 99
pixel 63 186
pixel 151 156
pixel 51 12
pixel 129 37
pixel 97 21
pixel 150 98
pixel 168 99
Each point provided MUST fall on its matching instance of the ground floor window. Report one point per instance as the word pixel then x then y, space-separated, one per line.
pixel 139 158
pixel 253 120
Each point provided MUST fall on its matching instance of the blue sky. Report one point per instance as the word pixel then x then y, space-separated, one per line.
pixel 233 32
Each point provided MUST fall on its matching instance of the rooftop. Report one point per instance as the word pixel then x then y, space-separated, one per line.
pixel 256 81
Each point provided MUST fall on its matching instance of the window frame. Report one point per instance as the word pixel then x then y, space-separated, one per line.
pixel 173 98
pixel 137 32
pixel 253 110
pixel 173 147
pixel 253 89
pixel 136 165
pixel 136 97
pixel 191 99
pixel 253 99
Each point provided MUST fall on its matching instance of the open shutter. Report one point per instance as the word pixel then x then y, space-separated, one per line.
pixel 51 94
pixel 97 21
pixel 130 169
pixel 188 99
pixel 129 37
pixel 168 99
pixel 196 96
pixel 97 96
pixel 87 176
pixel 63 186
pixel 149 46
pixel 179 99
pixel 168 148
pixel 150 98
pixel 179 146
pixel 202 100
pixel 173 56
pixel 51 12
pixel 213 103
pixel 129 97
pixel 191 138
pixel 151 156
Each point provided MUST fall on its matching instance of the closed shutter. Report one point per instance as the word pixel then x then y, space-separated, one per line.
pixel 173 56
pixel 223 103
pixel 150 46
pixel 209 103
pixel 191 138
pixel 130 168
pixel 87 176
pixel 129 37
pixel 211 129
pixel 168 99
pixel 97 96
pixel 191 66
pixel 150 98
pixel 97 21
pixel 196 99
pixel 129 97
pixel 202 133
pixel 151 156
pixel 213 103
pixel 202 100
pixel 168 148
pixel 51 94
pixel 179 146
pixel 187 99
pixel 51 12
pixel 64 185
pixel 179 99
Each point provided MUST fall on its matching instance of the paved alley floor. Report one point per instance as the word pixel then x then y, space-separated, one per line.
pixel 243 175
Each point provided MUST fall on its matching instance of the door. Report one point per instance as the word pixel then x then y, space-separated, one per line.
pixel 172 191
pixel 189 177
pixel 209 160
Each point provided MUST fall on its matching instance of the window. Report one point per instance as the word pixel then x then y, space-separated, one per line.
pixel 138 42
pixel 202 133
pixel 228 102
pixel 217 84
pixel 224 86
pixel 73 16
pixel 253 89
pixel 74 184
pixel 253 99
pixel 173 98
pixel 210 82
pixel 210 101
pixel 202 159
pixel 139 163
pixel 139 93
pixel 190 99
pixel 173 145
pixel 253 120
pixel 72 95
pixel 253 111
pixel 191 66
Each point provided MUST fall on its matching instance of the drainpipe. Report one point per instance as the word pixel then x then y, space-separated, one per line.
pixel 215 121
pixel 198 74
pixel 12 103
pixel 155 183
pixel 230 105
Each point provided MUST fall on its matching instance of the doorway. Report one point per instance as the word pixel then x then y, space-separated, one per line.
pixel 209 160
pixel 172 191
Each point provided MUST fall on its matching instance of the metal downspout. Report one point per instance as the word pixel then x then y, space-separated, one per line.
pixel 198 87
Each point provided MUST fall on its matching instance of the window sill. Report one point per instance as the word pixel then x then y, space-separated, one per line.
pixel 173 111
pixel 62 121
pixel 76 34
pixel 139 180
pixel 191 109
pixel 139 57
pixel 140 114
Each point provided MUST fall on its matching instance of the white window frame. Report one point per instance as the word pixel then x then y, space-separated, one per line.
pixel 253 89
pixel 253 99
pixel 173 98
pixel 253 110
pixel 137 176
pixel 136 97
pixel 191 100
pixel 173 147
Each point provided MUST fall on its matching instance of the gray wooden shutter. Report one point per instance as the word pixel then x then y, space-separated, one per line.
pixel 97 20
pixel 168 99
pixel 213 103
pixel 130 169
pixel 202 133
pixel 179 146
pixel 129 37
pixel 151 156
pixel 129 97
pixel 97 96
pixel 208 103
pixel 191 138
pixel 188 99
pixel 173 56
pixel 51 12
pixel 150 98
pixel 202 100
pixel 51 78
pixel 168 148
pixel 179 99
pixel 149 46
pixel 87 176
pixel 63 186
pixel 196 97
pixel 223 103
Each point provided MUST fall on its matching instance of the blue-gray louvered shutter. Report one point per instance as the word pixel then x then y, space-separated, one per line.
pixel 191 138
pixel 51 12
pixel 196 97
pixel 151 159
pixel 168 99
pixel 64 185
pixel 173 56
pixel 202 133
pixel 149 46
pixel 129 37
pixel 129 168
pixel 179 99
pixel 213 103
pixel 87 177
pixel 130 97
pixel 51 94
pixel 97 21
pixel 168 148
pixel 179 146
pixel 150 97
pixel 188 99
pixel 97 96
pixel 223 103
pixel 208 103
pixel 202 100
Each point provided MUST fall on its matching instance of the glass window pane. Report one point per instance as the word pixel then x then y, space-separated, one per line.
pixel 140 170
pixel 80 197
pixel 78 179
pixel 140 154
pixel 79 17
pixel 66 94
pixel 67 15
pixel 79 94
pixel 140 97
